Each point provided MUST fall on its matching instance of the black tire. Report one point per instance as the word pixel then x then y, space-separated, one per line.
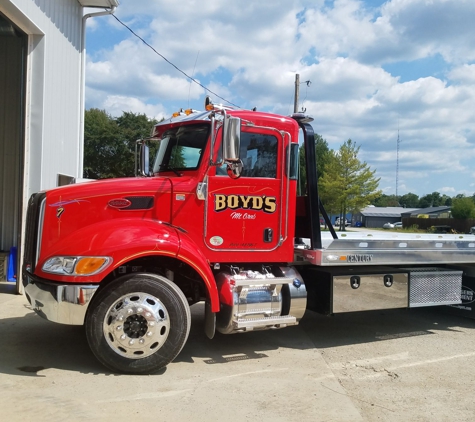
pixel 138 324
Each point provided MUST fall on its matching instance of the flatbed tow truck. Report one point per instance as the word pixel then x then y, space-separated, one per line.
pixel 216 218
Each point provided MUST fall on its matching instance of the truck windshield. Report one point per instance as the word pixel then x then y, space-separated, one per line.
pixel 181 148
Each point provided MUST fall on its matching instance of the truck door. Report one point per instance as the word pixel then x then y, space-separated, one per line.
pixel 245 214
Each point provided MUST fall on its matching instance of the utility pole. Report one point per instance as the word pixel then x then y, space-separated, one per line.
pixel 296 97
pixel 397 162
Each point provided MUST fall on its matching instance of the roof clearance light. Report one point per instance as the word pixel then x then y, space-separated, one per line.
pixel 176 114
pixel 188 111
pixel 209 106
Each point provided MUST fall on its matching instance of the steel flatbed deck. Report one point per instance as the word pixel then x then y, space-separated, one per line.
pixel 374 248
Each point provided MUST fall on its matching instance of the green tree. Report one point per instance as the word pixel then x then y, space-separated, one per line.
pixel 348 184
pixel 409 200
pixel 445 200
pixel 463 208
pixel 109 144
pixel 102 146
pixel 386 201
pixel 433 199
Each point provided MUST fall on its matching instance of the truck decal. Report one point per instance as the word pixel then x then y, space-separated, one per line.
pixel 359 258
pixel 264 203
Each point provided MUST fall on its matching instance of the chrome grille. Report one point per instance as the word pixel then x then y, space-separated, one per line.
pixel 34 225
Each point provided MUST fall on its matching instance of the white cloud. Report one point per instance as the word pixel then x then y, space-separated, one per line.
pixel 249 52
pixel 463 74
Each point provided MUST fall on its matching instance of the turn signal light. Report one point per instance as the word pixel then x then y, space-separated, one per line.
pixel 89 265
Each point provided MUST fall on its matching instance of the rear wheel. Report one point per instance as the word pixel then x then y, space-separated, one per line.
pixel 138 323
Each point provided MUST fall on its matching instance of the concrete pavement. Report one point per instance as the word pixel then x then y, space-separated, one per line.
pixel 393 365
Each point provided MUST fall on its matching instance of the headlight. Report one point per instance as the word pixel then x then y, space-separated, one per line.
pixel 76 265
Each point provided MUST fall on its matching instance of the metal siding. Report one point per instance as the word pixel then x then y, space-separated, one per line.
pixel 54 94
pixel 62 26
pixel 99 3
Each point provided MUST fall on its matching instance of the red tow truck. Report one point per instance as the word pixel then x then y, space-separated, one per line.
pixel 216 218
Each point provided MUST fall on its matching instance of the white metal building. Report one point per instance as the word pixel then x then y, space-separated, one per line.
pixel 42 58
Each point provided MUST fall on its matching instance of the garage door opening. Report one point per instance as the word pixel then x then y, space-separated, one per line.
pixel 13 56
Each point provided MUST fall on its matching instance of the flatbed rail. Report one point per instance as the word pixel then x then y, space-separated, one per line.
pixel 368 248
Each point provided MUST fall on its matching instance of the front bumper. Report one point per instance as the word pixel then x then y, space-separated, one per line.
pixel 62 303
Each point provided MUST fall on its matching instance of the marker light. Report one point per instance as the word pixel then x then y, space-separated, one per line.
pixel 90 265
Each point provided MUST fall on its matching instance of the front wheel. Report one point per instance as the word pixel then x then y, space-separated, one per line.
pixel 138 324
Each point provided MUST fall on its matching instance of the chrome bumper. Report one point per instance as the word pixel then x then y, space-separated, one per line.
pixel 64 304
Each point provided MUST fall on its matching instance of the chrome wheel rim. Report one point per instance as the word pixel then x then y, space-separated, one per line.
pixel 136 325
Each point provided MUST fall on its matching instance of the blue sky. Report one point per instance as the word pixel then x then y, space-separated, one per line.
pixel 375 67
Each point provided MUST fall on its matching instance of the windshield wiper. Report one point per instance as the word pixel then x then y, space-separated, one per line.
pixel 168 167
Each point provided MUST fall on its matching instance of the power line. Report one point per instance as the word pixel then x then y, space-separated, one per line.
pixel 170 63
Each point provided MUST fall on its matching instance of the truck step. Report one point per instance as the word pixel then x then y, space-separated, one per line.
pixel 261 323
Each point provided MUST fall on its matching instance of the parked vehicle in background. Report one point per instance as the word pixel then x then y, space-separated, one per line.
pixel 388 226
pixel 398 225
pixel 337 222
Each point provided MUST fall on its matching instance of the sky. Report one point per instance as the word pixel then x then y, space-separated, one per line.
pixel 397 77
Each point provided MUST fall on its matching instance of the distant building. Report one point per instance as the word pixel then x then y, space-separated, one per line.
pixel 432 212
pixel 376 217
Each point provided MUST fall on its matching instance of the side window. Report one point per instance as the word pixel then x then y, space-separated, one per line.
pixel 258 154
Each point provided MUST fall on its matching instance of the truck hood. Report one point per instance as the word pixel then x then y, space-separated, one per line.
pixel 74 207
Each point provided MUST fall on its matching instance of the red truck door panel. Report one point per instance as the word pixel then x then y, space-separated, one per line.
pixel 246 213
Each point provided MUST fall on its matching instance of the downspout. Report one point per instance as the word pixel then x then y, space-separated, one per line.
pixel 82 86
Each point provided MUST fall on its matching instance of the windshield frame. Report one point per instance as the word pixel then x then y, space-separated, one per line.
pixel 168 143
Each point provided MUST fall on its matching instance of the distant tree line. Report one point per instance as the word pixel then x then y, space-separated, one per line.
pixel 348 185
pixel 461 206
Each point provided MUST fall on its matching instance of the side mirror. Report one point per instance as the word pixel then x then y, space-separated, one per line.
pixel 234 169
pixel 231 138
pixel 144 160
pixel 232 145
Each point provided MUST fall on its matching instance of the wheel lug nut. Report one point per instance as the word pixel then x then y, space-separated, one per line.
pixel 141 341
pixel 152 323
pixel 123 337
pixel 140 310
pixel 119 328
pixel 149 334
pixel 129 311
pixel 131 342
pixel 148 314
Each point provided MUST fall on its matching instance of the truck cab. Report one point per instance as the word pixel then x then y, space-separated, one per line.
pixel 227 217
